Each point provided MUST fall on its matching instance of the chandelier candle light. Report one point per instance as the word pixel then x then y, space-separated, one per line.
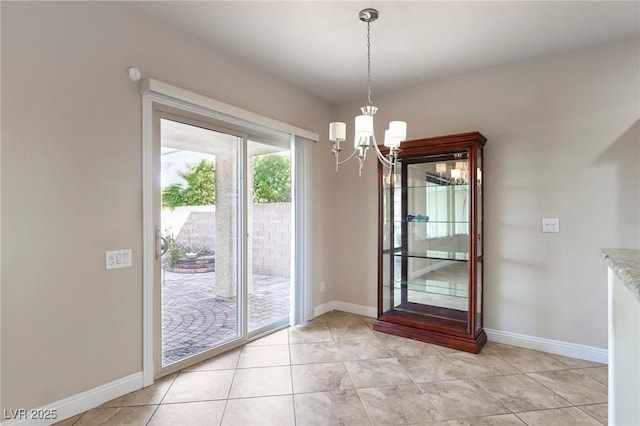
pixel 364 132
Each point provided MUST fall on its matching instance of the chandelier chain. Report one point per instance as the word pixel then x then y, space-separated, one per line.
pixel 369 64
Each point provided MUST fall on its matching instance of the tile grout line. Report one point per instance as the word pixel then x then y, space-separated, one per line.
pixel 589 414
pixel 226 402
pixel 522 372
pixel 163 397
pixel 293 394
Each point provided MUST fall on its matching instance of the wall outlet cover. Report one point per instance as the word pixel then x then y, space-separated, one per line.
pixel 115 259
pixel 551 225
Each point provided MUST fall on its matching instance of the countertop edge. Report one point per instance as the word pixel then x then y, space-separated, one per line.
pixel 625 263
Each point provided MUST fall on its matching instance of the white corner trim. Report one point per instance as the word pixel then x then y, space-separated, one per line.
pixel 367 311
pixel 573 350
pixel 323 309
pixel 337 305
pixel 148 241
pixel 79 403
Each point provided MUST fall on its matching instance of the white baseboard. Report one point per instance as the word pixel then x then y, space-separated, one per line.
pixel 76 404
pixel 367 311
pixel 323 309
pixel 573 350
pixel 337 305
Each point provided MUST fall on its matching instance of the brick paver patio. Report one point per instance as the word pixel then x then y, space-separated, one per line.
pixel 194 319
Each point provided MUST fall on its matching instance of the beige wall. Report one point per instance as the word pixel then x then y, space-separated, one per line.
pixel 71 183
pixel 563 141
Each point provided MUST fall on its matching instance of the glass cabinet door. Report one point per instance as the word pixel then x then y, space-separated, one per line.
pixel 426 236
pixel 391 203
pixel 479 238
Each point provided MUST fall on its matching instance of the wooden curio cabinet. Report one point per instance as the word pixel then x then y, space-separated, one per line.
pixel 430 261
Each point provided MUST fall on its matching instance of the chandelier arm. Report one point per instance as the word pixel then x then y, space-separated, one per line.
pixel 349 158
pixel 383 160
pixel 386 163
pixel 361 158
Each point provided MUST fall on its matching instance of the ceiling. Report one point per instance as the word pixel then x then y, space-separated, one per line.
pixel 320 46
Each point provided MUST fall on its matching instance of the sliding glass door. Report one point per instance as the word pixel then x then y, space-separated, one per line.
pixel 223 224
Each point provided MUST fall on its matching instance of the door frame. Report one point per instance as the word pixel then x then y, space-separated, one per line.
pixel 154 93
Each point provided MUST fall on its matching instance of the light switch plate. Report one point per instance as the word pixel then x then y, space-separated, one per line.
pixel 115 259
pixel 551 225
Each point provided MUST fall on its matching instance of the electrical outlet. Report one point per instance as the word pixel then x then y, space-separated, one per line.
pixel 322 286
pixel 118 259
pixel 551 225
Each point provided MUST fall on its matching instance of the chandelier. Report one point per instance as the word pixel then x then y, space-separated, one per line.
pixel 364 132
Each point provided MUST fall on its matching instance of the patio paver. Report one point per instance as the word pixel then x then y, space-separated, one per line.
pixel 194 319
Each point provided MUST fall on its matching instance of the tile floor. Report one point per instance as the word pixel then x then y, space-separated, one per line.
pixel 335 370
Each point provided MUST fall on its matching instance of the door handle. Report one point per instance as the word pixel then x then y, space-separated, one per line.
pixel 161 245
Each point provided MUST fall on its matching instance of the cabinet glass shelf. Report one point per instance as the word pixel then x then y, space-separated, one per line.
pixel 453 319
pixel 423 187
pixel 426 222
pixel 431 254
pixel 443 288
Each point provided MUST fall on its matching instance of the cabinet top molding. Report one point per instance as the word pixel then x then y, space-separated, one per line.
pixel 438 143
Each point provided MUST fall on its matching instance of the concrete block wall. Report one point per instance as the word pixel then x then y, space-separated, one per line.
pixel 271 244
pixel 272 239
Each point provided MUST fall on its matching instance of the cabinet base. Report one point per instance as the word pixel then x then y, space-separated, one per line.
pixel 462 343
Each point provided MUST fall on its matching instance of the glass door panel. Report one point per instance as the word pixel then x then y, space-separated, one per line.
pixel 270 236
pixel 199 225
pixel 480 225
pixel 479 295
pixel 432 264
pixel 391 237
